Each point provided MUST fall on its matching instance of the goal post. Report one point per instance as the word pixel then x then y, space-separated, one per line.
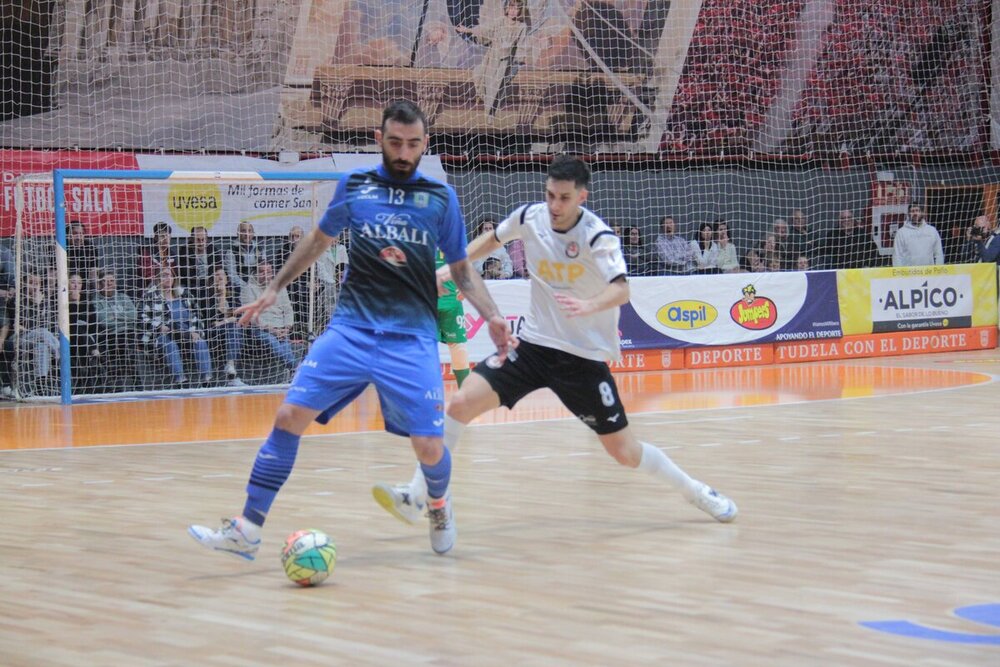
pixel 93 242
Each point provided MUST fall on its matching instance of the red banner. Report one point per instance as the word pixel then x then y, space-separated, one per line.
pixel 102 208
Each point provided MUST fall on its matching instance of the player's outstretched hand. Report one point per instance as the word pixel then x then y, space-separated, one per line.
pixel 250 313
pixel 502 337
pixel 573 307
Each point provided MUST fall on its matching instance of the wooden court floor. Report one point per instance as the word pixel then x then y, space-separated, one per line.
pixel 868 531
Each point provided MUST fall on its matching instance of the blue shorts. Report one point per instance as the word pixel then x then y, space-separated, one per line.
pixel 404 368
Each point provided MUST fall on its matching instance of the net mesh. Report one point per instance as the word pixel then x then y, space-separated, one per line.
pixel 806 126
pixel 151 303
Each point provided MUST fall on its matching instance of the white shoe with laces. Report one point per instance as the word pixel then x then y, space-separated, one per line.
pixel 442 529
pixel 232 537
pixel 400 501
pixel 712 502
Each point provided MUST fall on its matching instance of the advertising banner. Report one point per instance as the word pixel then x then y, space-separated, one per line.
pixel 120 209
pixel 103 208
pixel 915 298
pixel 730 309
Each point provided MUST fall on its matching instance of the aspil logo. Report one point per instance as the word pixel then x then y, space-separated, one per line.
pixel 687 314
pixel 754 312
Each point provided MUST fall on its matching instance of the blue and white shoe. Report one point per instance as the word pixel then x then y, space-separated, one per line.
pixel 400 501
pixel 232 537
pixel 712 502
pixel 442 530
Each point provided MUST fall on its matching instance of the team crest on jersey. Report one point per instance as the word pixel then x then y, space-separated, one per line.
pixel 393 255
pixel 421 199
pixel 494 362
pixel 572 250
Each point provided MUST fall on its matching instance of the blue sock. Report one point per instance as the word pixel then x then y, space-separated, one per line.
pixel 438 475
pixel 270 470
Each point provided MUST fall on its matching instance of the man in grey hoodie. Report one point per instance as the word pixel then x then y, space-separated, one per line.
pixel 917 242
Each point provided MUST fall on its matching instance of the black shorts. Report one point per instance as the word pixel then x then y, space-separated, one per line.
pixel 584 386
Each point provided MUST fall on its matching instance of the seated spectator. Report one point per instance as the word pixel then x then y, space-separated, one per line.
pixel 704 250
pixel 770 253
pixel 636 254
pixel 753 262
pixel 780 231
pixel 241 260
pixel 82 351
pixel 492 269
pixel 116 325
pixel 36 330
pixel 81 256
pixel 802 263
pixel 157 255
pixel 171 324
pixel 8 274
pixel 519 265
pixel 221 326
pixel 275 324
pixel 488 226
pixel 329 269
pixel 298 289
pixel 727 258
pixel 673 253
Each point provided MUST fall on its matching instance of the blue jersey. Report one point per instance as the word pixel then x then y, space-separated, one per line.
pixel 396 229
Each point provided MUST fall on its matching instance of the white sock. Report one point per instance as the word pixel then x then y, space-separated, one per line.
pixel 658 464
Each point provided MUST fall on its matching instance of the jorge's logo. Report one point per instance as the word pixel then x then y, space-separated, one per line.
pixel 754 312
pixel 686 314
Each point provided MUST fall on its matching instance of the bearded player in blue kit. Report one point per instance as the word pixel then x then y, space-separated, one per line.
pixel 384 330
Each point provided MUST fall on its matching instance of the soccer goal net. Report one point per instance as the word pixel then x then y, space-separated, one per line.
pixel 127 281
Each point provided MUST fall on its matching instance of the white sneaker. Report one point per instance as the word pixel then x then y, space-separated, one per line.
pixel 230 538
pixel 400 502
pixel 443 530
pixel 712 502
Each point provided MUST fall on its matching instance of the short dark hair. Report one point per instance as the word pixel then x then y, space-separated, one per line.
pixel 405 112
pixel 161 228
pixel 569 168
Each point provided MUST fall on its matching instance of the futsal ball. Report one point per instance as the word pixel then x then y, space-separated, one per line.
pixel 308 557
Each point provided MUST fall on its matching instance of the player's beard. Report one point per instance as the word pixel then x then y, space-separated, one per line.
pixel 399 170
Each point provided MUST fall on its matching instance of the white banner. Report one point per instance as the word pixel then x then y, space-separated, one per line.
pixel 921 297
pixel 512 298
pixel 272 207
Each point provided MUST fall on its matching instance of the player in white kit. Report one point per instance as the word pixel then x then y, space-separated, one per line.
pixel 578 282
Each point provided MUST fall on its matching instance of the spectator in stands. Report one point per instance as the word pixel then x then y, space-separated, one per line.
pixel 753 262
pixel 637 253
pixel 519 265
pixel 840 244
pixel 984 241
pixel 329 269
pixel 116 320
pixel 298 289
pixel 171 324
pixel 242 260
pixel 800 240
pixel 82 351
pixel 81 255
pixel 781 235
pixel 157 255
pixel 8 274
pixel 802 263
pixel 492 269
pixel 727 259
pixel 198 259
pixel 487 226
pixel 704 249
pixel 36 329
pixel 917 242
pixel 275 325
pixel 221 327
pixel 770 253
pixel 673 253
pixel 6 350
pixel 503 39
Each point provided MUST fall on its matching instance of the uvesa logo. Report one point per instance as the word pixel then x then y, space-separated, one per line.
pixel 687 314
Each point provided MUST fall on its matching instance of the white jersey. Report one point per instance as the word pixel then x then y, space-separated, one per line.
pixel 581 262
